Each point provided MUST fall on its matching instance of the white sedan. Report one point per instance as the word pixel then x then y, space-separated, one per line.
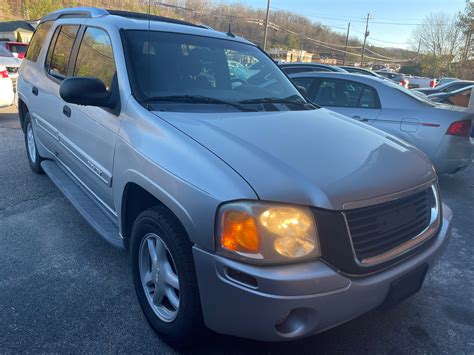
pixel 441 131
pixel 7 95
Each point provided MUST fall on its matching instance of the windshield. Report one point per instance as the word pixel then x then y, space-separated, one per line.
pixel 182 72
pixel 415 95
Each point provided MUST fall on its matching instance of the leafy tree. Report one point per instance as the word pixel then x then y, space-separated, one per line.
pixel 292 42
pixel 413 68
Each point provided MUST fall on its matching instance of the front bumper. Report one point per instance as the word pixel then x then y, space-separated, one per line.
pixel 274 303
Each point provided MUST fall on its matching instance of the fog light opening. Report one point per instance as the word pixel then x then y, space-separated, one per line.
pixel 241 278
pixel 296 322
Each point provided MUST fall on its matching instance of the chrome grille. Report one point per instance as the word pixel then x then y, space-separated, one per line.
pixel 376 230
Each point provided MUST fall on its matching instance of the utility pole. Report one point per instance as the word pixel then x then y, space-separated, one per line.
pixel 418 51
pixel 366 34
pixel 267 16
pixel 345 47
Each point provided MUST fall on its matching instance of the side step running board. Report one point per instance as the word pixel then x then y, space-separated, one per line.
pixel 100 220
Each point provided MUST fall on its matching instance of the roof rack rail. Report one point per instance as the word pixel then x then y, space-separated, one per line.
pixel 86 12
pixel 144 16
pixel 91 12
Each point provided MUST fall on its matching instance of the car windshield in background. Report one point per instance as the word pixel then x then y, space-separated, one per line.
pixel 181 72
pixel 412 94
pixel 18 48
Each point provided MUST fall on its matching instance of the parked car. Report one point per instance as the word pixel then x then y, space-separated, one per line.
pixel 296 67
pixel 441 132
pixel 18 49
pixel 7 95
pixel 447 87
pixel 458 97
pixel 421 82
pixel 11 64
pixel 240 203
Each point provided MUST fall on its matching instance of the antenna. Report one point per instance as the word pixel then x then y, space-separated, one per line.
pixel 229 33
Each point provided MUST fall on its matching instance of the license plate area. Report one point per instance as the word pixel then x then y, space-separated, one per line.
pixel 405 286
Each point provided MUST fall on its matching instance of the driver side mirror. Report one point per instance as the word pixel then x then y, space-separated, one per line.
pixel 86 91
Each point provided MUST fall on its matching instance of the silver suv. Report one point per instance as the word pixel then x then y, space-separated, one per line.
pixel 245 209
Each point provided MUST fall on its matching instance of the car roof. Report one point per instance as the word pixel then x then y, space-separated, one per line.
pixel 339 75
pixel 138 21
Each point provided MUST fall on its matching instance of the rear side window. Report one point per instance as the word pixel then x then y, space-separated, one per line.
pixel 345 93
pixel 60 50
pixel 303 82
pixel 38 41
pixel 95 57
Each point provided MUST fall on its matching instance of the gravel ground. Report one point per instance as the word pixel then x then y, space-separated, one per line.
pixel 63 289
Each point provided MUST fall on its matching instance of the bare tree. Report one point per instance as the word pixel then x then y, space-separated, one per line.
pixel 441 42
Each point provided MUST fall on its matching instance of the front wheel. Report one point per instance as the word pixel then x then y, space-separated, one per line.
pixel 34 159
pixel 165 278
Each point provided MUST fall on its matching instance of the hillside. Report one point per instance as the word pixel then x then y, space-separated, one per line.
pixel 287 30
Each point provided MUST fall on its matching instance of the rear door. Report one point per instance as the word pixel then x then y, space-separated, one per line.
pixel 43 80
pixel 89 133
pixel 347 97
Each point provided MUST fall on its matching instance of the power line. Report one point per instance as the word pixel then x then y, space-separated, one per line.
pixel 355 19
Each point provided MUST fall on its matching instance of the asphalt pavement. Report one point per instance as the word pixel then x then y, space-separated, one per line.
pixel 63 289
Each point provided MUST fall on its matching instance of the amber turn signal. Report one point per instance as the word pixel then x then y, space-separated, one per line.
pixel 239 232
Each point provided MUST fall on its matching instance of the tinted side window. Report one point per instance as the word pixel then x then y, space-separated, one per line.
pixel 37 42
pixel 304 82
pixel 60 51
pixel 369 98
pixel 95 57
pixel 343 93
pixel 455 87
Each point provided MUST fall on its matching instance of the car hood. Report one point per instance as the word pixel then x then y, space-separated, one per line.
pixel 315 157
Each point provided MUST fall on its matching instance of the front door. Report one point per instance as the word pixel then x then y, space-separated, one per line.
pixel 90 133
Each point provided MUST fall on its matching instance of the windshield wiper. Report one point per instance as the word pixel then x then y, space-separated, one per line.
pixel 275 100
pixel 197 99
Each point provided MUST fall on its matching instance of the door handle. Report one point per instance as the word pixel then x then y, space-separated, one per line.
pixel 356 117
pixel 67 111
pixel 34 90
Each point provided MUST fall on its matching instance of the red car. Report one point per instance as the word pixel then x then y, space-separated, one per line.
pixel 17 48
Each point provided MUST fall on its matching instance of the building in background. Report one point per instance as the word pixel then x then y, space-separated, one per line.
pixel 14 30
pixel 290 55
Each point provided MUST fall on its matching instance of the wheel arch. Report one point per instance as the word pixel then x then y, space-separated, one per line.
pixel 136 199
pixel 22 110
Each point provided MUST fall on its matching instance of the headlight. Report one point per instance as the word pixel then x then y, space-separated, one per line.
pixel 267 232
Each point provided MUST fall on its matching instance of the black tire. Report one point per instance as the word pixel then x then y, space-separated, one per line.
pixel 35 160
pixel 188 327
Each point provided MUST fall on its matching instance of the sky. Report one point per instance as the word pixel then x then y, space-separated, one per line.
pixel 337 13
